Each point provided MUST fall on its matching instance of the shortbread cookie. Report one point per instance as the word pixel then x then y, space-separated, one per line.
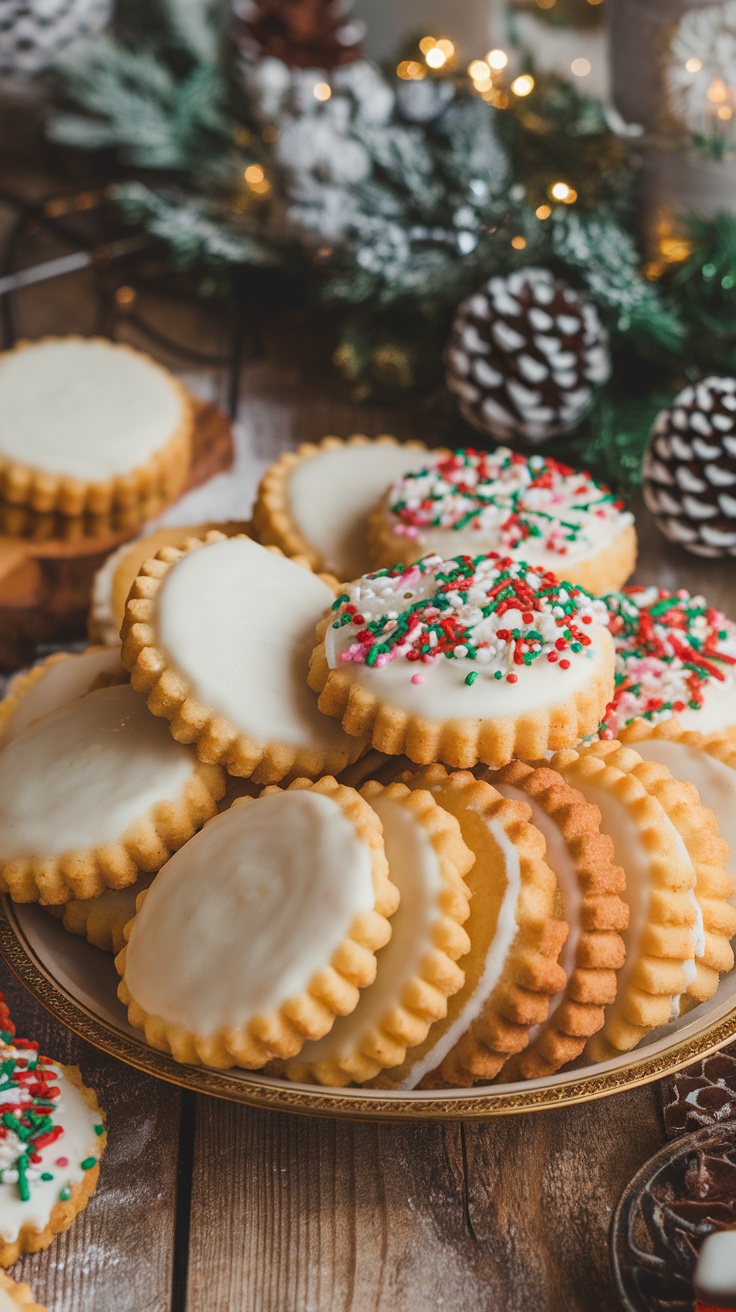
pixel 650 818
pixel 528 507
pixel 416 970
pixel 94 793
pixel 14 1297
pixel 87 425
pixel 53 1138
pixel 55 682
pixel 515 931
pixel 218 636
pixel 101 920
pixel 591 885
pixel 262 930
pixel 675 655
pixel 465 660
pixel 316 501
pixel 708 761
pixel 115 578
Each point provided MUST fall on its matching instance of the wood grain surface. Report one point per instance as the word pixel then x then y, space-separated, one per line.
pixel 208 1207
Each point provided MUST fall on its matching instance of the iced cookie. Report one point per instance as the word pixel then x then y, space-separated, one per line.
pixel 60 679
pixel 93 794
pixel 706 760
pixel 262 930
pixel 591 885
pixel 416 970
pixel 675 655
pixel 14 1297
pixel 88 425
pixel 218 636
pixel 52 1141
pixel 515 932
pixel 102 919
pixel 464 660
pixel 528 507
pixel 668 845
pixel 316 501
pixel 115 578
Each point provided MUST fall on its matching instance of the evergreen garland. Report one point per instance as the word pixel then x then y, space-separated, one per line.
pixel 391 202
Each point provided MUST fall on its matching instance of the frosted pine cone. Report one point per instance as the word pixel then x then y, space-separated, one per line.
pixel 690 469
pixel 525 357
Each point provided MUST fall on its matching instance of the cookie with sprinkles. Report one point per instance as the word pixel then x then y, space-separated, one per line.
pixel 528 507
pixel 467 660
pixel 14 1296
pixel 52 1134
pixel 675 656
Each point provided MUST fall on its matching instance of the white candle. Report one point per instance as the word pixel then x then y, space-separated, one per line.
pixel 473 25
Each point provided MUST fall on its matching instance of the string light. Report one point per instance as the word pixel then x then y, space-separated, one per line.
pixel 523 85
pixel 562 192
pixel 426 44
pixel 447 47
pixel 322 91
pixel 543 211
pixel 497 59
pixel 436 58
pixel 725 113
pixel 518 243
pixel 479 70
pixel 580 67
pixel 257 181
pixel 717 91
pixel 411 71
pixel 693 64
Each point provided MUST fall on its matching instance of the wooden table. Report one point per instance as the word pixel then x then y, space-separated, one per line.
pixel 209 1207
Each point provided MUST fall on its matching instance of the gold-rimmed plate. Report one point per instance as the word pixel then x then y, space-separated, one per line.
pixel 78 985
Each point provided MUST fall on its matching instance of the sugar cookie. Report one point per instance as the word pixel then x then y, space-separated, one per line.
pixel 55 682
pixel 262 929
pixel 416 970
pixel 531 508
pixel 464 660
pixel 54 1135
pixel 94 793
pixel 87 425
pixel 218 636
pixel 591 885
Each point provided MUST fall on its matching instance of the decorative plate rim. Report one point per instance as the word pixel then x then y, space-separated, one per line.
pixel 355 1104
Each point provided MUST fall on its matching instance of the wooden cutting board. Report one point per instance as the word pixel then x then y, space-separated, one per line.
pixel 45 585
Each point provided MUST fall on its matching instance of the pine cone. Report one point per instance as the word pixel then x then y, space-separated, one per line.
pixel 301 33
pixel 525 356
pixel 33 36
pixel 690 469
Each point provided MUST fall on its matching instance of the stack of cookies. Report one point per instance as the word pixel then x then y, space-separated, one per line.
pixel 463 818
pixel 95 437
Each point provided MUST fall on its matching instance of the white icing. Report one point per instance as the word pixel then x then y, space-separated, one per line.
pixel 81 776
pixel 332 494
pixel 245 914
pixel 484 491
pixel 62 681
pixel 718 710
pixel 506 929
pixel 414 869
pixel 84 409
pixel 238 622
pixel 560 860
pixel 443 693
pixel 715 782
pixel 715 1273
pixel 77 1143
